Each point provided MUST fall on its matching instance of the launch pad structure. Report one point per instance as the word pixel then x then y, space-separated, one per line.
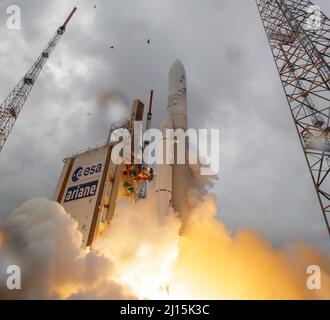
pixel 90 183
pixel 298 33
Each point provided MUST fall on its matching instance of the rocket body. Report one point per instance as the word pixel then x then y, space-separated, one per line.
pixel 171 180
pixel 177 111
pixel 164 182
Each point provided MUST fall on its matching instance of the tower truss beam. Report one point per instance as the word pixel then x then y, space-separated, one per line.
pixel 11 107
pixel 301 50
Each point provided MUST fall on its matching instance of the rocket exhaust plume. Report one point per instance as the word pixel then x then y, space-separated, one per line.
pixel 143 256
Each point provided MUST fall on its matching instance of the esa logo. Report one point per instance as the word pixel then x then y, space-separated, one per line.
pixel 85 172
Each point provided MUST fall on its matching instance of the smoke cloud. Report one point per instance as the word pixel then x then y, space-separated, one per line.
pixel 43 240
pixel 143 256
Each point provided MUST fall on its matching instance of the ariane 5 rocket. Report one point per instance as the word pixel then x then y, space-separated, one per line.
pixel 171 183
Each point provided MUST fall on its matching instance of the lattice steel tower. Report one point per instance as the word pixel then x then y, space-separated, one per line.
pixel 13 104
pixel 299 37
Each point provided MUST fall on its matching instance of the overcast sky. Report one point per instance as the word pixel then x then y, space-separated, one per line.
pixel 232 85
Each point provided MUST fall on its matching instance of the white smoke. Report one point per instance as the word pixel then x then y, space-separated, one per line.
pixel 143 256
pixel 135 257
pixel 43 240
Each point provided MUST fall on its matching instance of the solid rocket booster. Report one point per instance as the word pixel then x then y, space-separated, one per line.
pixel 164 181
pixel 177 110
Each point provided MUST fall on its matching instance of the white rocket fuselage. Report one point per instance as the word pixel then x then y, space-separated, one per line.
pixel 164 181
pixel 177 110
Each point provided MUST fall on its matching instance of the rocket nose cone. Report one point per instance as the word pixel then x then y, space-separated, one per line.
pixel 177 68
pixel 177 79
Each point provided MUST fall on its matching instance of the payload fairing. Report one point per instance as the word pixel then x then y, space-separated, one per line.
pixel 177 96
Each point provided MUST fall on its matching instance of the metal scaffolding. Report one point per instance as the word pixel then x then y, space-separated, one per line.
pixel 13 104
pixel 299 37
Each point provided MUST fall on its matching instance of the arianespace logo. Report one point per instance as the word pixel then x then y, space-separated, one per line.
pixel 81 191
pixel 86 172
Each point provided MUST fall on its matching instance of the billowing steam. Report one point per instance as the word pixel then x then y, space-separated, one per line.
pixel 143 256
pixel 43 240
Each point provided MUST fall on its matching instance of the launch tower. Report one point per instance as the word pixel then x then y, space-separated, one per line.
pixel 299 37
